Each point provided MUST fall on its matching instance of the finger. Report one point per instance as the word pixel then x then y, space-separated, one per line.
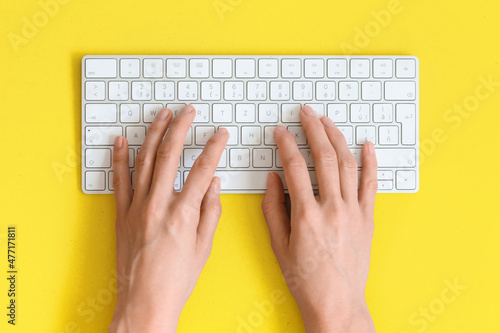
pixel 324 156
pixel 210 213
pixel 369 185
pixel 347 166
pixel 169 152
pixel 203 169
pixel 121 176
pixel 145 160
pixel 294 165
pixel 274 209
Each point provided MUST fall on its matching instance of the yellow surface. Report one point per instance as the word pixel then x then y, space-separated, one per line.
pixel 65 240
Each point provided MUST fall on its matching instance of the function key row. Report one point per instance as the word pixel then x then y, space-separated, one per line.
pixel 249 68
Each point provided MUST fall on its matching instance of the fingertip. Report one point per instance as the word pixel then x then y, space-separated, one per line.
pixel 327 122
pixel 119 142
pixel 216 185
pixel 369 148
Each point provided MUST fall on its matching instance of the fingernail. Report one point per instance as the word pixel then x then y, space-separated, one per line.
pixel 279 129
pixel 216 185
pixel 221 131
pixel 308 110
pixel 371 148
pixel 187 109
pixel 327 122
pixel 118 142
pixel 270 179
pixel 163 114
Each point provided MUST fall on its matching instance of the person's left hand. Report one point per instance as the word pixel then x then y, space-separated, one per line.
pixel 163 238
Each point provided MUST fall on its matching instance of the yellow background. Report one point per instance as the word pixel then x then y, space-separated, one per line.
pixel 449 230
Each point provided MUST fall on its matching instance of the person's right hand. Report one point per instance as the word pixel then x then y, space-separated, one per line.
pixel 323 247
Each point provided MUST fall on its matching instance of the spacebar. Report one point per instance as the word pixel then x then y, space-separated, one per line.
pixel 251 180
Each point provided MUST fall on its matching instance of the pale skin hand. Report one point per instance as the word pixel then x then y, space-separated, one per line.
pixel 163 238
pixel 323 247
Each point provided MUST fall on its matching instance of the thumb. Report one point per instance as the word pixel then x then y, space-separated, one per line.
pixel 274 209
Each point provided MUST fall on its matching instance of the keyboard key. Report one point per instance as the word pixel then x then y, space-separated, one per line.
pixel 190 156
pixel 177 181
pixel 176 68
pixel 245 68
pixel 405 68
pixel 203 133
pixel 385 185
pixel 254 180
pixel 100 68
pixel 153 68
pixel 269 136
pixel 188 91
pixel 302 90
pixel 233 90
pixel 384 175
pixel 382 68
pixel 262 158
pixel 176 108
pixel 118 91
pixel 202 113
pixel 102 135
pixel 250 135
pixel 268 68
pixel 141 90
pixel 150 111
pixel 406 180
pixel 131 157
pixel 406 115
pixel 298 134
pixel 280 90
pixel 95 90
pixel 100 113
pixel 199 68
pixel 222 113
pixel 365 134
pixel 325 91
pixel 290 113
pixel 360 68
pixel 388 135
pixel 314 68
pixel 390 157
pixel 130 68
pixel 135 135
pixel 360 113
pixel 239 158
pixel 223 159
pixel 98 158
pixel 222 68
pixel 233 135
pixel 257 90
pixel 188 140
pixel 348 90
pixel 400 90
pixel 210 90
pixel 306 154
pixel 130 113
pixel 95 180
pixel 291 68
pixel 347 131
pixel 268 113
pixel 337 68
pixel 245 113
pixel 164 90
pixel 382 113
pixel 371 90
pixel 337 112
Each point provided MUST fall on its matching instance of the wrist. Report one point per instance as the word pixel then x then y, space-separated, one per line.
pixel 341 319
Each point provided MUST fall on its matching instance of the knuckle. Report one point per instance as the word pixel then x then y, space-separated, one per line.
pixel 203 163
pixel 349 164
pixel 154 128
pixel 327 156
pixel 119 181
pixel 165 153
pixel 141 159
pixel 295 161
pixel 371 184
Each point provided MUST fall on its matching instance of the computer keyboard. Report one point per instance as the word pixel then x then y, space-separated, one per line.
pixel 370 98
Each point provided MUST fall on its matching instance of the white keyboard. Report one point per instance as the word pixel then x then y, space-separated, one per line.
pixel 370 98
